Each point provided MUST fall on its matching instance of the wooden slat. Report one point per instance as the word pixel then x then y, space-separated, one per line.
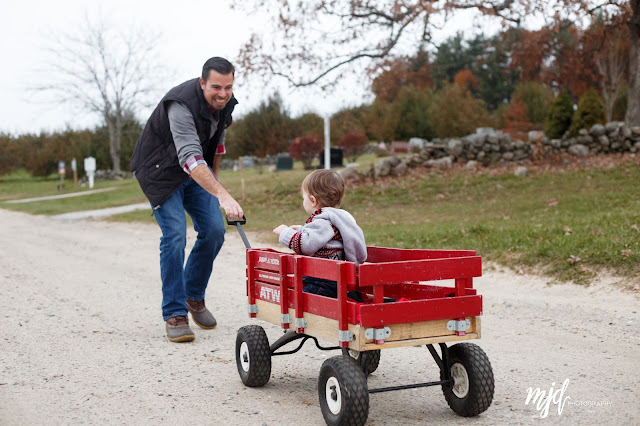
pixel 418 342
pixel 420 270
pixel 327 329
pixel 421 329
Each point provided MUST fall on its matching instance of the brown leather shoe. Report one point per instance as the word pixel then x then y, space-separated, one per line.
pixel 201 315
pixel 178 329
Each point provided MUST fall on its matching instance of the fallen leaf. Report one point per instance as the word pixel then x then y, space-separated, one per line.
pixel 573 259
pixel 552 203
pixel 626 252
pixel 635 227
pixel 567 230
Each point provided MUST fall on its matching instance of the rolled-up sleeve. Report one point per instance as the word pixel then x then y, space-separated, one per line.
pixel 220 149
pixel 185 137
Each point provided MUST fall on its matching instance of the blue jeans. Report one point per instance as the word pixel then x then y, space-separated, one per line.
pixel 180 281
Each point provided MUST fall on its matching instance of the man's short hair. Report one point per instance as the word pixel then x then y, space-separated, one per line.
pixel 219 65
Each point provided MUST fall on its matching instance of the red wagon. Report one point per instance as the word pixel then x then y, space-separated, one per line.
pixel 404 306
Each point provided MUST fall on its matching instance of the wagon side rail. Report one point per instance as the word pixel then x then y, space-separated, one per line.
pixel 383 276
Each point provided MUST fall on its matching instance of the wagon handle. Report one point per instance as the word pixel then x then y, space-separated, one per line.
pixel 238 224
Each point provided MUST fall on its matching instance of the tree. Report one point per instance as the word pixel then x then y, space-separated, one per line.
pixel 455 55
pixel 537 99
pixel 611 60
pixel 353 145
pixel 308 124
pixel 13 154
pixel 104 73
pixel 496 77
pixel 345 121
pixel 466 81
pixel 399 72
pixel 455 113
pixel 516 121
pixel 411 113
pixel 305 149
pixel 590 111
pixel 370 32
pixel 559 118
pixel 263 131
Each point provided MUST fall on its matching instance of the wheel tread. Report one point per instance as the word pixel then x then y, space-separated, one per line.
pixel 481 381
pixel 260 355
pixel 353 384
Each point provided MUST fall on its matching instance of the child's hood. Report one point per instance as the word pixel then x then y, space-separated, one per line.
pixel 355 248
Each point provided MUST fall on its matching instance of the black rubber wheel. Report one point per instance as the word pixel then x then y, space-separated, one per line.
pixel 343 393
pixel 472 390
pixel 253 356
pixel 370 359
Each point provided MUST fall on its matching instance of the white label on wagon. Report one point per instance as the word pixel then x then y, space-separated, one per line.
pixel 269 260
pixel 269 277
pixel 270 294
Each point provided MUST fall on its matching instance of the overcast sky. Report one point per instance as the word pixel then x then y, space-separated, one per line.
pixel 192 31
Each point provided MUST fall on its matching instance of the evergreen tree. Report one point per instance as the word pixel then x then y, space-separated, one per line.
pixel 413 108
pixel 590 111
pixel 559 118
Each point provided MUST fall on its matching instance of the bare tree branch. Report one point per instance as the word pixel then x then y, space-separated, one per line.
pixel 101 71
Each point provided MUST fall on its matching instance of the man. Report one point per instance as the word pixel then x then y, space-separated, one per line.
pixel 176 161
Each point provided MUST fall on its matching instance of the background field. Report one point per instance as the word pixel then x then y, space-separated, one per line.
pixel 567 222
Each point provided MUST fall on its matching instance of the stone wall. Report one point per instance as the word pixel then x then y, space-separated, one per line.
pixel 613 137
pixel 488 146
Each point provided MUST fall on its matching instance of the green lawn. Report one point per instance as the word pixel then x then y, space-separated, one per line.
pixel 568 225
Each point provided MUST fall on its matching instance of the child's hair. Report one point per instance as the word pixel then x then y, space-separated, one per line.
pixel 326 186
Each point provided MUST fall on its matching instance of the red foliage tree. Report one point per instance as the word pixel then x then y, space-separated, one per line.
pixel 353 144
pixel 305 149
pixel 466 81
pixel 516 122
pixel 400 72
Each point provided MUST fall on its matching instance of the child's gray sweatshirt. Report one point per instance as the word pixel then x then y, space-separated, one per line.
pixel 327 230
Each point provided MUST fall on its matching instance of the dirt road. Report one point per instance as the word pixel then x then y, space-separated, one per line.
pixel 83 343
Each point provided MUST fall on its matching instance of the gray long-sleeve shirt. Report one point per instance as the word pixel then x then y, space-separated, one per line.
pixel 319 234
pixel 185 136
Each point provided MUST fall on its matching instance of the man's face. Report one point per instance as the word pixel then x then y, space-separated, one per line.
pixel 217 89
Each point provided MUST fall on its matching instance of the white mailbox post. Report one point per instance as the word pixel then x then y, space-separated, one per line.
pixel 90 169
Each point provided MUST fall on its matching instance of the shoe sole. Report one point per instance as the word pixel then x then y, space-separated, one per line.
pixel 202 326
pixel 182 339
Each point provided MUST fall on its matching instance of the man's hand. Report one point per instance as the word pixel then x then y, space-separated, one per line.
pixel 231 207
pixel 207 180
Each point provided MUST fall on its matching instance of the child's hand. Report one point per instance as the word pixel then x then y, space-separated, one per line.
pixel 279 229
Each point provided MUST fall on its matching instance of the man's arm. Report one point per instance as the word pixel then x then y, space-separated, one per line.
pixel 203 176
pixel 190 159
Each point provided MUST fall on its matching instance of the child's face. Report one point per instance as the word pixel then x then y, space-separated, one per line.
pixel 309 203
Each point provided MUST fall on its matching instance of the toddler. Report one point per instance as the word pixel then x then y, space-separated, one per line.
pixel 330 232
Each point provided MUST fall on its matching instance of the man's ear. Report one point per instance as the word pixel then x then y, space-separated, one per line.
pixel 202 85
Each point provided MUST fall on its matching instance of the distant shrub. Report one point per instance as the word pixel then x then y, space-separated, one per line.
pixel 455 113
pixel 353 145
pixel 305 149
pixel 516 121
pixel 590 111
pixel 536 99
pixel 559 119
